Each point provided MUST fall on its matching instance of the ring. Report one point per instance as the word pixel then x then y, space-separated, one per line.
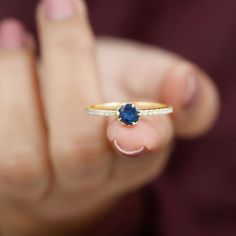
pixel 129 113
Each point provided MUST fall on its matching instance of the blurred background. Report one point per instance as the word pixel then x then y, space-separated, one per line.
pixel 197 193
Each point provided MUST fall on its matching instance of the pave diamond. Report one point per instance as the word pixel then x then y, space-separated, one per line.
pixel 128 114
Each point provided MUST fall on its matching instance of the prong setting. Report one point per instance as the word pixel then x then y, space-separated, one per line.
pixel 128 114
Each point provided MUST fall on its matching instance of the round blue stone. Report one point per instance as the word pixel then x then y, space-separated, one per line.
pixel 128 114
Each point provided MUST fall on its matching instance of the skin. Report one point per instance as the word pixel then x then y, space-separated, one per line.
pixel 59 169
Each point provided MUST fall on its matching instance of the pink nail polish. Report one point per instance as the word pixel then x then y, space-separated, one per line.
pixel 12 34
pixel 191 91
pixel 129 153
pixel 59 9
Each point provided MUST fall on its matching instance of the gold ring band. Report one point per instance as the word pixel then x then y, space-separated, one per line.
pixel 129 113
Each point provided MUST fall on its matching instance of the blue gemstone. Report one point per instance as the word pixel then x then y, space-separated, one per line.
pixel 128 114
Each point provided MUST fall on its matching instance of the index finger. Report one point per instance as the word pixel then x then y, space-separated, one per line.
pixel 69 84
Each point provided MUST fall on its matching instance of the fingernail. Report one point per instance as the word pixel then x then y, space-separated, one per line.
pixel 129 153
pixel 191 91
pixel 12 34
pixel 59 9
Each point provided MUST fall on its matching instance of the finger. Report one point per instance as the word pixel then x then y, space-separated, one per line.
pixel 170 79
pixel 23 168
pixel 194 97
pixel 70 84
pixel 149 135
pixel 149 142
pixel 136 70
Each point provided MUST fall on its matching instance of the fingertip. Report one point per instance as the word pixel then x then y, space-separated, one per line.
pixel 129 152
pixel 194 97
pixel 12 22
pixel 147 136
pixel 12 34
pixel 54 10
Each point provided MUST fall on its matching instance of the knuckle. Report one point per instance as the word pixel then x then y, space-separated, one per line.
pixel 77 154
pixel 20 168
pixel 16 59
pixel 184 67
pixel 69 37
pixel 73 45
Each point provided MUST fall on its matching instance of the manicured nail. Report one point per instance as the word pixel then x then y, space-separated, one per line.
pixel 191 92
pixel 60 9
pixel 129 153
pixel 12 34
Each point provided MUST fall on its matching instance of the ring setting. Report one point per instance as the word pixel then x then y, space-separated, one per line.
pixel 129 113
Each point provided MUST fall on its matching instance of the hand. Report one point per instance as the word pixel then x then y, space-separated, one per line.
pixel 61 168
